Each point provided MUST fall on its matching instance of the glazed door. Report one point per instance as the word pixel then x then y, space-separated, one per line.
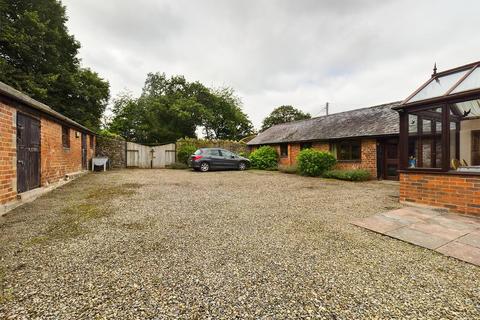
pixel 84 151
pixel 28 153
pixel 476 148
pixel 390 166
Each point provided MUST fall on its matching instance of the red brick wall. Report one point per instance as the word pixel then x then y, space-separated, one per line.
pixel 459 193
pixel 369 159
pixel 8 154
pixel 58 161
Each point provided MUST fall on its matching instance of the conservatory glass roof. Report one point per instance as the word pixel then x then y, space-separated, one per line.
pixel 449 84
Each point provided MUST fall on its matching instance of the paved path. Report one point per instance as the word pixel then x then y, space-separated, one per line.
pixel 451 234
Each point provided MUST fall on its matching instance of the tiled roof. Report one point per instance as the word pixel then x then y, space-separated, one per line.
pixel 373 121
pixel 14 94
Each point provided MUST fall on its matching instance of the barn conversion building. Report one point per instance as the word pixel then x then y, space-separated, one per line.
pixel 365 138
pixel 38 146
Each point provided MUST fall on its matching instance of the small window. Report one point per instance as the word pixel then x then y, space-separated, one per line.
pixel 65 137
pixel 92 142
pixel 305 145
pixel 349 150
pixel 284 150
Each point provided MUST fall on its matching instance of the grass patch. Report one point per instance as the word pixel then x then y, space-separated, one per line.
pixel 72 218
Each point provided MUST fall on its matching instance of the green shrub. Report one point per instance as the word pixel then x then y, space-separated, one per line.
pixel 184 152
pixel 177 165
pixel 288 169
pixel 243 154
pixel 264 158
pixel 349 175
pixel 314 163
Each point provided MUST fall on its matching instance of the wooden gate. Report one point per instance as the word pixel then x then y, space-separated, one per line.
pixel 28 153
pixel 140 156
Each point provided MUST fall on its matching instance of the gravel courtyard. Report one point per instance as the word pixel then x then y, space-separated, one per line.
pixel 180 244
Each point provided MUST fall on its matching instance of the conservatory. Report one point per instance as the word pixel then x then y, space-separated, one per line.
pixel 440 141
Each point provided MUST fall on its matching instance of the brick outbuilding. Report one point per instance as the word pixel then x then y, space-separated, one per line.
pixel 364 138
pixel 38 146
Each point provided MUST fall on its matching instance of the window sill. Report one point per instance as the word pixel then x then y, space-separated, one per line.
pixel 66 149
pixel 349 161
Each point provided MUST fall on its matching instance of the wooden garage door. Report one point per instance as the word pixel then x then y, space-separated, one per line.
pixel 28 153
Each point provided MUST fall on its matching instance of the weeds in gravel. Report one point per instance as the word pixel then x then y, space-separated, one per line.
pixel 105 193
pixel 72 218
pixel 5 295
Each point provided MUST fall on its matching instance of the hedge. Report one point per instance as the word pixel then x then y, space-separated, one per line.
pixel 349 175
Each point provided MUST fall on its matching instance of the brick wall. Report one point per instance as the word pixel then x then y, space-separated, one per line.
pixel 57 161
pixel 8 154
pixel 459 193
pixel 369 159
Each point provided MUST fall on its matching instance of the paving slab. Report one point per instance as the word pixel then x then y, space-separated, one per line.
pixel 461 251
pixel 472 239
pixel 453 235
pixel 379 223
pixel 419 238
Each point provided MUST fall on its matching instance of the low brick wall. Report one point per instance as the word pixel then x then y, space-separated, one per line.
pixel 114 149
pixel 458 193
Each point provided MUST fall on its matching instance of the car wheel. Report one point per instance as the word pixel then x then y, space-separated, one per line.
pixel 242 166
pixel 204 167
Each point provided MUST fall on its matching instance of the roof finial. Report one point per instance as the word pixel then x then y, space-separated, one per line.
pixel 434 70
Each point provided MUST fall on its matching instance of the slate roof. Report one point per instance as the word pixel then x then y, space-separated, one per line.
pixel 372 121
pixel 16 95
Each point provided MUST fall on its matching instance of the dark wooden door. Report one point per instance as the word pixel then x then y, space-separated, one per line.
pixel 390 159
pixel 84 151
pixel 28 153
pixel 476 148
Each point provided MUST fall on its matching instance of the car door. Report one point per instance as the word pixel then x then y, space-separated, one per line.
pixel 230 159
pixel 216 158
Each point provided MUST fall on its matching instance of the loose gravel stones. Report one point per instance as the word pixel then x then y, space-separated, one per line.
pixel 157 244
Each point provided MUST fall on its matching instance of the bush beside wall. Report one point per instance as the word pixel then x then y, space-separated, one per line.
pixel 264 158
pixel 349 175
pixel 314 163
pixel 234 146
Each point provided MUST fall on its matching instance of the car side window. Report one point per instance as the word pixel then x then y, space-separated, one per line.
pixel 227 154
pixel 215 153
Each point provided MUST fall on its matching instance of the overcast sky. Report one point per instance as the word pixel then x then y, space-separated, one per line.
pixel 301 52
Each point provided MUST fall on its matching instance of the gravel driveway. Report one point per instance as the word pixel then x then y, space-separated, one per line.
pixel 180 244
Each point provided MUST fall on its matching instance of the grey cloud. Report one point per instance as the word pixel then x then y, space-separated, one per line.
pixel 306 52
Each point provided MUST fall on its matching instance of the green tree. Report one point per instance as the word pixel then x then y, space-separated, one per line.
pixel 39 57
pixel 283 114
pixel 173 108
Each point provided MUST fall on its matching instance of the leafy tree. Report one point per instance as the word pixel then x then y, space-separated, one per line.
pixel 39 57
pixel 173 108
pixel 283 114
